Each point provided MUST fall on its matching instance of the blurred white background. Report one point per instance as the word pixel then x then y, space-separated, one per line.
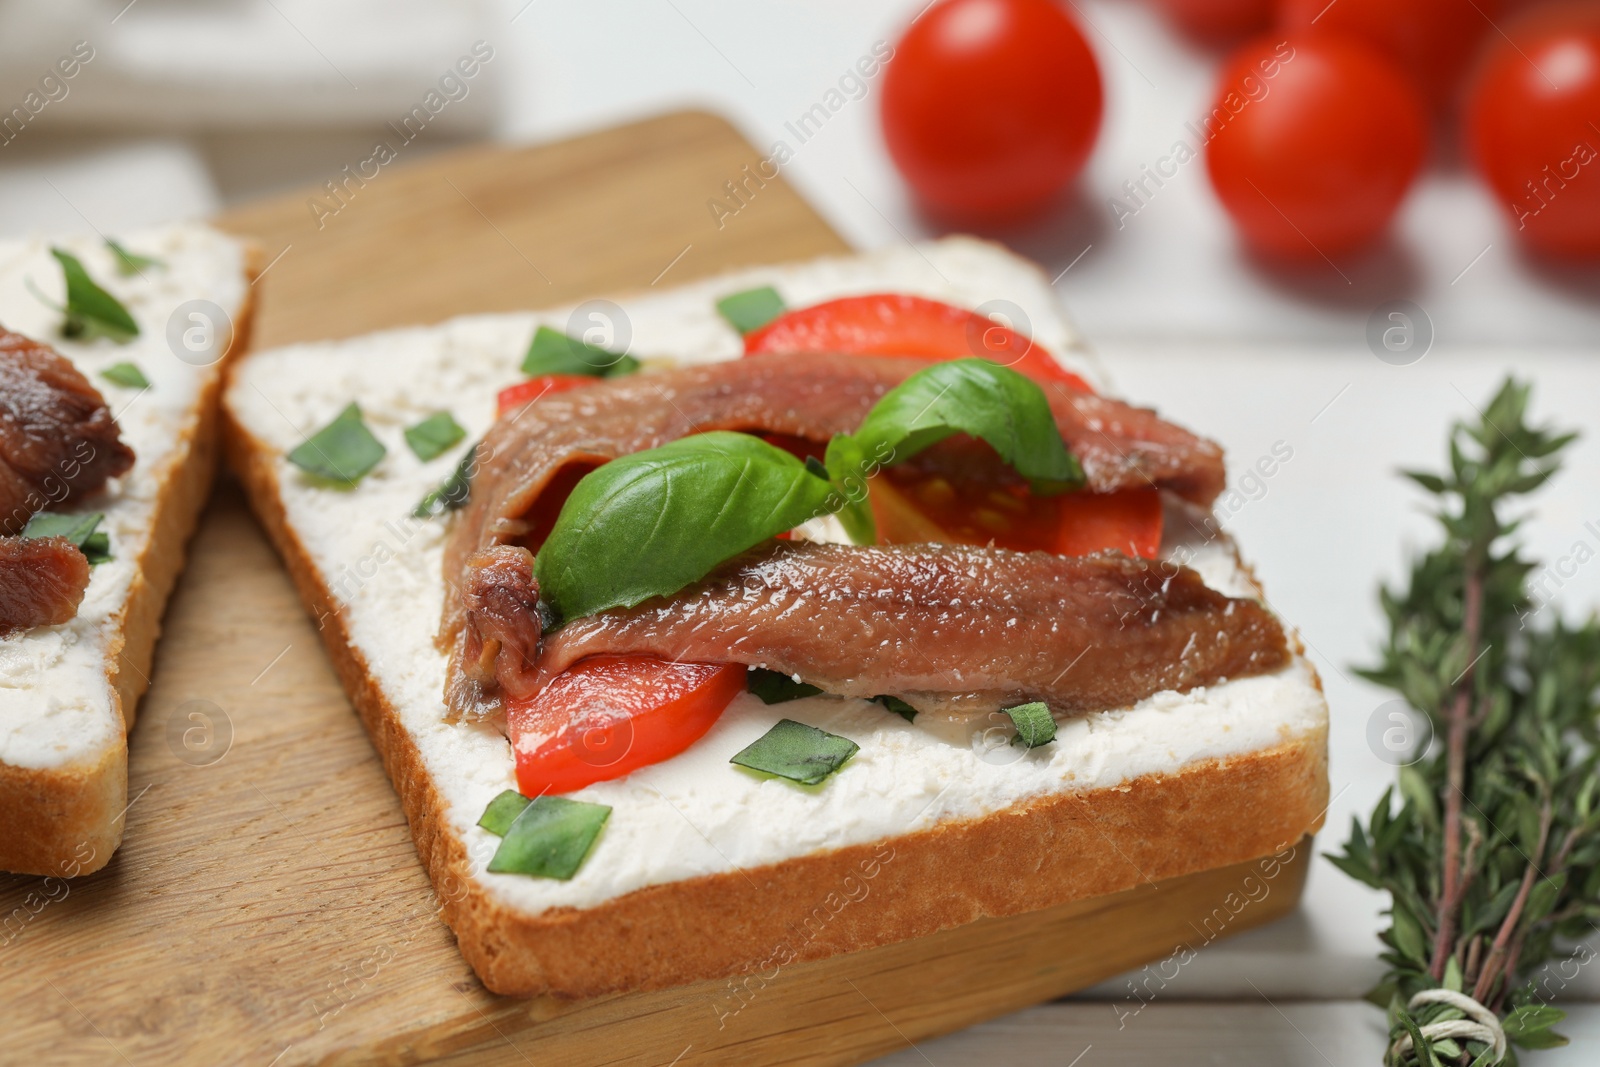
pixel 190 105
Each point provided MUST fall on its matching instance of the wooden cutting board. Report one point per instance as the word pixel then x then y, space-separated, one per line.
pixel 267 907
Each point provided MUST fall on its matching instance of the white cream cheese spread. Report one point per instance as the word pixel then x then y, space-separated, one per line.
pixel 55 701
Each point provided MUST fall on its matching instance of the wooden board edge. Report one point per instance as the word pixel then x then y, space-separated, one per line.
pixel 855 1005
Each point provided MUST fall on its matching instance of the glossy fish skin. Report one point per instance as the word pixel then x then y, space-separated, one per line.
pixel 1127 447
pixel 42 580
pixel 811 396
pixel 948 628
pixel 58 440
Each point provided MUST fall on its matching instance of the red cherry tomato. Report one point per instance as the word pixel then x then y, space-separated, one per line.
pixel 912 505
pixel 607 716
pixel 1431 41
pixel 1533 128
pixel 891 324
pixel 514 396
pixel 990 107
pixel 1219 20
pixel 1314 144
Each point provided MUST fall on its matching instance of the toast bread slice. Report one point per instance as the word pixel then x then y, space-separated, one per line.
pixel 701 888
pixel 63 748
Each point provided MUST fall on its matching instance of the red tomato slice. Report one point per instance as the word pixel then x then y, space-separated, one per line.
pixel 893 324
pixel 1128 521
pixel 912 506
pixel 608 716
pixel 514 396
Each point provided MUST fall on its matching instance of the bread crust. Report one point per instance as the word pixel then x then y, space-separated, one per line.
pixel 67 820
pixel 1056 849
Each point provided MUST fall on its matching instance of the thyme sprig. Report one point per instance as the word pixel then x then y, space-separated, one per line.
pixel 1490 850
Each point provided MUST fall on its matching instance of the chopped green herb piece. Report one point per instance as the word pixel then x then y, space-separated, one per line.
pixel 131 262
pixel 434 436
pixel 775 687
pixel 899 707
pixel 1035 725
pixel 342 452
pixel 503 811
pixel 126 374
pixel 752 309
pixel 550 838
pixel 452 493
pixel 90 310
pixel 79 529
pixel 553 352
pixel 96 548
pixel 797 752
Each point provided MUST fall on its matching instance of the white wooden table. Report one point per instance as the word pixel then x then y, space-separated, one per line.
pixel 1322 1033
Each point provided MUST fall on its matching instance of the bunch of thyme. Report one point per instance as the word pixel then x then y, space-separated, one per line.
pixel 1490 852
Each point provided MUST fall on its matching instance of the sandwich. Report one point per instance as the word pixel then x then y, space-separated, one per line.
pixel 111 362
pixel 677 617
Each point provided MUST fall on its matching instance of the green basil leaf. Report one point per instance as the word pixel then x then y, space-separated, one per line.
pixel 775 687
pixel 434 436
pixel 340 453
pixel 131 262
pixel 972 396
pixel 650 523
pixel 81 530
pixel 849 468
pixel 553 352
pixel 90 310
pixel 503 811
pixel 550 838
pixel 127 375
pixel 453 492
pixel 797 752
pixel 1035 725
pixel 898 706
pixel 752 309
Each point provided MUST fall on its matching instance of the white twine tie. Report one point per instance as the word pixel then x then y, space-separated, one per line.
pixel 1481 1024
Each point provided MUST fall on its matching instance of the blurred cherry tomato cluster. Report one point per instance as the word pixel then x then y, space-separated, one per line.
pixel 1323 116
